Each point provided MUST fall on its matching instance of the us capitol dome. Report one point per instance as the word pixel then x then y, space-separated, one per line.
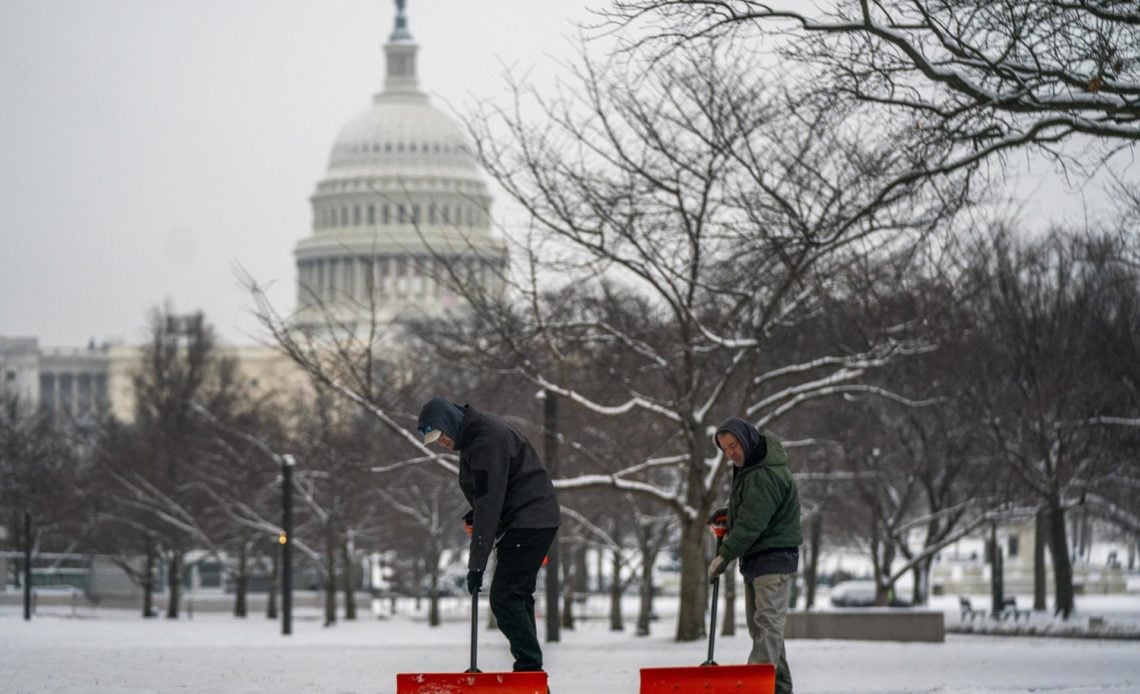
pixel 402 212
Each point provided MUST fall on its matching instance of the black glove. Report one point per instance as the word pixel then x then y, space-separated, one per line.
pixel 474 580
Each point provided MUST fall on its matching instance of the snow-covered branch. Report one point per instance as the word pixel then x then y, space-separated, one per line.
pixel 615 482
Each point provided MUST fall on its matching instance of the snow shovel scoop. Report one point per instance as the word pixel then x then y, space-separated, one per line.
pixel 710 677
pixel 472 681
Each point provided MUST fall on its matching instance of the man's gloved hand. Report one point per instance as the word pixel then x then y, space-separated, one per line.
pixel 718 523
pixel 716 568
pixel 474 580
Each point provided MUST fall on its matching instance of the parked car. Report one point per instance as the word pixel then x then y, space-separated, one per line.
pixel 859 594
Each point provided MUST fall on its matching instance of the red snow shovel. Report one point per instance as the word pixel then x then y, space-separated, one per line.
pixel 710 677
pixel 472 681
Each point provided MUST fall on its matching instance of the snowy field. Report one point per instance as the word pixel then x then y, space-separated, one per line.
pixel 114 651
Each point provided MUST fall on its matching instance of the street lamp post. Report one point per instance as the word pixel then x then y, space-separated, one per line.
pixel 287 463
pixel 27 565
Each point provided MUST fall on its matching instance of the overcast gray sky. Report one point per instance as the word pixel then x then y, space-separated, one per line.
pixel 146 146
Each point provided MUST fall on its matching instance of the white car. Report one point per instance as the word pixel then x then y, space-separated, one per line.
pixel 859 594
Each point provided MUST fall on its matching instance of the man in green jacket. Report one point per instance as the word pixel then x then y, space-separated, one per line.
pixel 764 533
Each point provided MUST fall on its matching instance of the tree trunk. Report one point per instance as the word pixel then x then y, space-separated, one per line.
pixel 811 569
pixel 616 622
pixel 1062 567
pixel 349 579
pixel 645 591
pixel 582 571
pixel 691 615
pixel 569 583
pixel 882 556
pixel 1039 587
pixel 417 581
pixel 433 596
pixel 921 571
pixel 275 577
pixel 174 584
pixel 330 585
pixel 997 578
pixel 148 583
pixel 241 583
pixel 1084 535
pixel 728 627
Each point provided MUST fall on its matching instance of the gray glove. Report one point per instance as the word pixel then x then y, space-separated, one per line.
pixel 716 568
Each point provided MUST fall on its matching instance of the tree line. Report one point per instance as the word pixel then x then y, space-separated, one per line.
pixel 722 217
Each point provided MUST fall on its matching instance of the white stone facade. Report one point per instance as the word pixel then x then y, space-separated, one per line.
pixel 402 210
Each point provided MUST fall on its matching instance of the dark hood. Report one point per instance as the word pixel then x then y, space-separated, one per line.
pixel 443 415
pixel 754 445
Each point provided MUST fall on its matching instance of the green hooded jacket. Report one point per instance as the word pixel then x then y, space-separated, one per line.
pixel 764 504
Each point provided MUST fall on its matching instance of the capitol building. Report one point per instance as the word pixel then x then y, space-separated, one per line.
pixel 402 212
pixel 400 218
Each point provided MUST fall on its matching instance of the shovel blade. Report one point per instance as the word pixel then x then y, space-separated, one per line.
pixel 754 679
pixel 471 683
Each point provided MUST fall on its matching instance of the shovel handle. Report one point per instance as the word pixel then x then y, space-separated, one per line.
pixel 712 615
pixel 474 630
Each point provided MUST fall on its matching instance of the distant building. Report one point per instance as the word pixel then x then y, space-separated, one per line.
pixel 965 567
pixel 402 206
pixel 78 382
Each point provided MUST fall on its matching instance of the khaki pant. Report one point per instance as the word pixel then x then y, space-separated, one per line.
pixel 766 604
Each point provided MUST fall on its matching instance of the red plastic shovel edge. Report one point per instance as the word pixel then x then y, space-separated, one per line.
pixel 471 683
pixel 754 679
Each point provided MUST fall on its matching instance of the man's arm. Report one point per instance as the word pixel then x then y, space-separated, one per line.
pixel 490 463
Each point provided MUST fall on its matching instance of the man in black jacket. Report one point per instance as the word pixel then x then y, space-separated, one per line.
pixel 514 511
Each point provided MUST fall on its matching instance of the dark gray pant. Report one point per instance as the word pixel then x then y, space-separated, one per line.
pixel 518 557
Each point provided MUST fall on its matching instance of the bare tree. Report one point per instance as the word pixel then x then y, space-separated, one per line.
pixel 151 469
pixel 984 76
pixel 717 206
pixel 1046 395
pixel 240 475
pixel 427 510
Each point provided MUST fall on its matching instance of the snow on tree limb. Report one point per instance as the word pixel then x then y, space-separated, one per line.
pixel 636 402
pixel 615 482
pixel 1121 516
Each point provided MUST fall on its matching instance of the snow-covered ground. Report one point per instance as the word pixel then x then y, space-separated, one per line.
pixel 115 651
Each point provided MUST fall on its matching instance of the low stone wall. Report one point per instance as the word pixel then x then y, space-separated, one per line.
pixel 870 624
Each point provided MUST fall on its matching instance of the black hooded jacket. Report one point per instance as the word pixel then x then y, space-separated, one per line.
pixel 504 481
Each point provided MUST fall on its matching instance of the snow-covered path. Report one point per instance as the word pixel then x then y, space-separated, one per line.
pixel 116 651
